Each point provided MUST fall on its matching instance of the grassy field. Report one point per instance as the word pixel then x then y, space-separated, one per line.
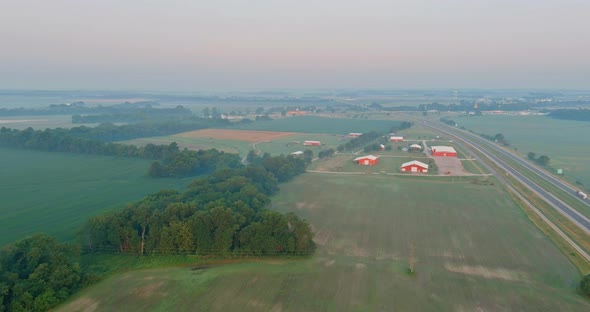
pixel 285 145
pixel 228 146
pixel 475 250
pixel 40 122
pixel 55 193
pixel 314 124
pixel 565 142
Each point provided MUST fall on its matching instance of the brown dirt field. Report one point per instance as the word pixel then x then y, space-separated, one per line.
pixel 239 135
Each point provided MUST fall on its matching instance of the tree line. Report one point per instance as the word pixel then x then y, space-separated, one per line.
pixel 79 107
pixel 542 160
pixel 137 115
pixel 170 160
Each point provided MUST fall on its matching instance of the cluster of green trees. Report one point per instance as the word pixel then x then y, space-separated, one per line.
pixel 449 122
pixel 584 286
pixel 37 273
pixel 176 163
pixel 138 115
pixel 376 147
pixel 402 126
pixel 282 167
pixel 542 160
pixel 498 137
pixel 571 114
pixel 326 153
pixel 359 142
pixel 221 214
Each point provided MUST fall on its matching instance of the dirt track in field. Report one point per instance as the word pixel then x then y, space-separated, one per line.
pixel 239 135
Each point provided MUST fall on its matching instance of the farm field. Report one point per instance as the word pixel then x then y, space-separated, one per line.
pixel 565 142
pixel 39 122
pixel 280 145
pixel 228 146
pixel 315 124
pixel 55 193
pixel 475 250
pixel 241 135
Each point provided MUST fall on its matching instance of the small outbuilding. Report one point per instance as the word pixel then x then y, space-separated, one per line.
pixel 396 139
pixel 446 151
pixel 297 153
pixel 354 135
pixel 414 166
pixel 368 160
pixel 312 143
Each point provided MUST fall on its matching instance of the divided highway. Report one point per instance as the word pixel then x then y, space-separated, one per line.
pixel 579 219
pixel 549 178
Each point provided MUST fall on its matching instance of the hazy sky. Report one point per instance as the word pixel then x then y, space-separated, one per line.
pixel 266 44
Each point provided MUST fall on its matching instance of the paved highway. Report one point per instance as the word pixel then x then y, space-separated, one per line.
pixel 566 210
pixel 542 173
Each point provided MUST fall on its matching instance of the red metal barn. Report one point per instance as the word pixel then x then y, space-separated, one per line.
pixel 396 139
pixel 354 135
pixel 414 166
pixel 311 143
pixel 447 151
pixel 368 160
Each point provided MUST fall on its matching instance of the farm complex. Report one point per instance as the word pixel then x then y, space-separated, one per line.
pixel 420 201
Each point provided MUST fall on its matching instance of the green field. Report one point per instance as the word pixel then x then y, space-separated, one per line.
pixel 475 250
pixel 284 145
pixel 55 193
pixel 294 143
pixel 40 122
pixel 228 146
pixel 565 142
pixel 314 124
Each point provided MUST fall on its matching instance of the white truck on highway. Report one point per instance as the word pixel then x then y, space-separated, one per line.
pixel 582 194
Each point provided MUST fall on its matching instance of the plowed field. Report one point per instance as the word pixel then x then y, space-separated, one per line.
pixel 240 135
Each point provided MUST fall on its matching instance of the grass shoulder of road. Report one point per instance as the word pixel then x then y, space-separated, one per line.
pixel 571 253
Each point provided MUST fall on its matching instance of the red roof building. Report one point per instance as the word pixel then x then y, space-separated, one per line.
pixel 396 139
pixel 414 166
pixel 368 160
pixel 312 143
pixel 446 151
pixel 354 135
